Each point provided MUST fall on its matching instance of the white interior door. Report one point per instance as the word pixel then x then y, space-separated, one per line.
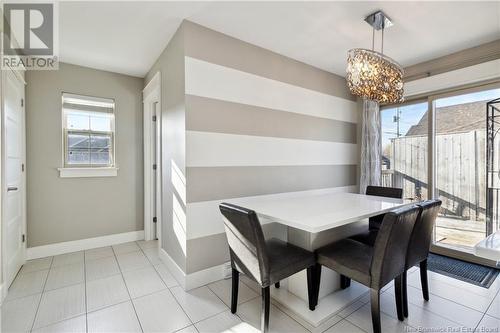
pixel 14 184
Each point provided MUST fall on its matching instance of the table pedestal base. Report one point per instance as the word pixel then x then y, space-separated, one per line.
pixel 326 313
pixel 292 297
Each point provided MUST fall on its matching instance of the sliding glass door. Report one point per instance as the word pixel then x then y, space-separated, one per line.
pixel 460 137
pixel 438 147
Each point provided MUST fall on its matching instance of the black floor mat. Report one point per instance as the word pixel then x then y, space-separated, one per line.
pixel 461 270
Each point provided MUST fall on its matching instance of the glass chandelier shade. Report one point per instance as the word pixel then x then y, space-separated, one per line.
pixel 374 76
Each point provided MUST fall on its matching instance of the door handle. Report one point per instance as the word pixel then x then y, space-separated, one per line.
pixel 11 188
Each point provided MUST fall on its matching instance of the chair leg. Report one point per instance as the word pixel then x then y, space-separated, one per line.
pixel 423 279
pixel 405 294
pixel 311 287
pixel 277 285
pixel 345 282
pixel 398 293
pixel 375 304
pixel 264 317
pixel 234 290
pixel 316 282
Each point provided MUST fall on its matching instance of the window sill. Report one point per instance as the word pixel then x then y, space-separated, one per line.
pixel 87 172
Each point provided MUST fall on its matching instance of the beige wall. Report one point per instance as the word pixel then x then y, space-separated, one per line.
pixel 257 124
pixel 171 66
pixel 65 209
pixel 215 101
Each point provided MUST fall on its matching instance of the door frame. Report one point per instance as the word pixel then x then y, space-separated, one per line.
pixel 19 76
pixel 151 108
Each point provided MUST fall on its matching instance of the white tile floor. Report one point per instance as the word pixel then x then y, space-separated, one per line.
pixel 126 288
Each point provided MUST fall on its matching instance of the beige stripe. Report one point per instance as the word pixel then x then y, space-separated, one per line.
pixel 200 258
pixel 206 252
pixel 234 53
pixel 212 115
pixel 212 183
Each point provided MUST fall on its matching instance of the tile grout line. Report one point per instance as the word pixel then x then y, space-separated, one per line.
pixel 170 291
pixel 59 321
pixel 71 285
pixel 425 310
pixel 354 323
pixel 7 300
pixel 486 311
pixel 443 298
pixel 41 295
pixel 126 287
pixel 269 307
pixel 350 322
pixel 453 301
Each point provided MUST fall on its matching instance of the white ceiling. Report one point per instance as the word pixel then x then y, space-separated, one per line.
pixel 127 37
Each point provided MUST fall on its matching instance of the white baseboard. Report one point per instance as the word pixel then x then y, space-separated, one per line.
pixel 196 279
pixel 172 266
pixel 206 276
pixel 82 244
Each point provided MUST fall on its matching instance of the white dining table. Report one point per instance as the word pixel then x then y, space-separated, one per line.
pixel 313 220
pixel 314 213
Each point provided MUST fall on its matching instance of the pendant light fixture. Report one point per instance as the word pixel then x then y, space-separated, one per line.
pixel 371 74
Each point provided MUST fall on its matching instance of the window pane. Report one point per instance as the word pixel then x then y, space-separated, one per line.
pixel 77 121
pixel 78 156
pixel 100 141
pixel 405 149
pixel 78 141
pixel 101 123
pixel 100 156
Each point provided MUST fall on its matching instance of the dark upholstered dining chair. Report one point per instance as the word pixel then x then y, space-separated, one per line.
pixel 265 261
pixel 369 236
pixel 418 248
pixel 380 191
pixel 374 266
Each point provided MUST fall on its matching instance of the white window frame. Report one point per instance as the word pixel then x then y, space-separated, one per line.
pixel 87 170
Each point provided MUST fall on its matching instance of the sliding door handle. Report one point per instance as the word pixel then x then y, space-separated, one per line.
pixel 11 188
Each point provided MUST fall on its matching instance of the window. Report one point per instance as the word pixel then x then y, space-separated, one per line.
pixel 405 149
pixel 88 127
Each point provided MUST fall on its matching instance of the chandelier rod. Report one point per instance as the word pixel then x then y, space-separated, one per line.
pixel 382 49
pixel 373 39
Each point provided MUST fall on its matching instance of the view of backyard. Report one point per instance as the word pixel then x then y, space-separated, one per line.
pixel 460 166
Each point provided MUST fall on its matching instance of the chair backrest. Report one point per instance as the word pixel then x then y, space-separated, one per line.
pixel 389 253
pixel 246 241
pixel 421 237
pixel 389 192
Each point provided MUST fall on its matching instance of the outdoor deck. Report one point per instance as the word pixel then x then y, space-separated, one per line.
pixel 458 232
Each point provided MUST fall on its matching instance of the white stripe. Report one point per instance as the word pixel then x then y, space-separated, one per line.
pixel 207 149
pixel 205 219
pixel 223 83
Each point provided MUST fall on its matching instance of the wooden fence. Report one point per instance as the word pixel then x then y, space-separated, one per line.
pixel 460 166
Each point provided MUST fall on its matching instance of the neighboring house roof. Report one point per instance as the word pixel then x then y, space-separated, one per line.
pixel 456 118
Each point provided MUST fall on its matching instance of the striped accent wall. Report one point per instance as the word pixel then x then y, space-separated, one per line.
pixel 257 124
